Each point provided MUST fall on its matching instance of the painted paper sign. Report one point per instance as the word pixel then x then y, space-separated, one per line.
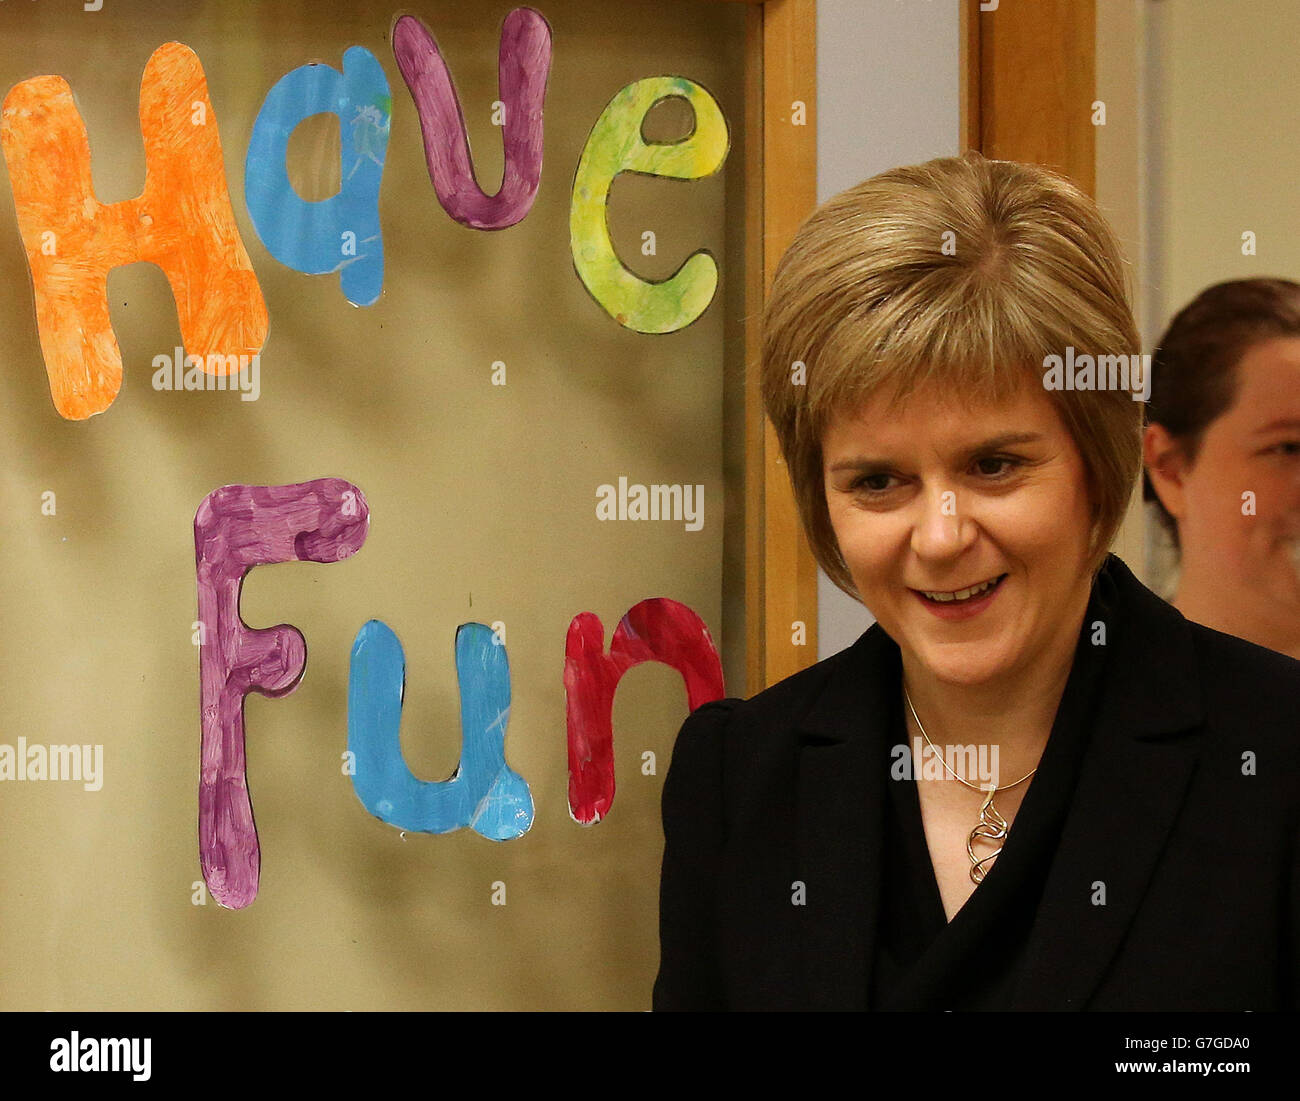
pixel 525 61
pixel 236 528
pixel 485 794
pixel 341 233
pixel 185 222
pixel 616 146
pixel 182 221
pixel 655 630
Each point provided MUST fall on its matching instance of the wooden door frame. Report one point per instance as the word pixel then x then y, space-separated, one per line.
pixel 781 191
pixel 1028 81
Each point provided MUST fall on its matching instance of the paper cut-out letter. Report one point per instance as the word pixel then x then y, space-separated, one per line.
pixel 484 793
pixel 616 146
pixel 524 61
pixel 182 221
pixel 343 230
pixel 236 528
pixel 654 630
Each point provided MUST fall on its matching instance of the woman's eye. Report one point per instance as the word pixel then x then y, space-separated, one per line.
pixel 994 466
pixel 1286 447
pixel 873 483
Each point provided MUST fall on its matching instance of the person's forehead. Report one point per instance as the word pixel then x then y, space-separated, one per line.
pixel 1268 382
pixel 940 405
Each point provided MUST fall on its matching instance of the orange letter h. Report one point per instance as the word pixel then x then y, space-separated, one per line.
pixel 183 222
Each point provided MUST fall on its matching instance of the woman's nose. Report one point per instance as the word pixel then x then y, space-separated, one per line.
pixel 940 529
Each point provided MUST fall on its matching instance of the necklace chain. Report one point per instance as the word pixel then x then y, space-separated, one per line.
pixel 991 826
pixel 973 787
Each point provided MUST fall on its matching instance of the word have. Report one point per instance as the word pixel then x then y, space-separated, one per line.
pixel 1117 372
pixel 183 220
pixel 655 502
pixel 238 527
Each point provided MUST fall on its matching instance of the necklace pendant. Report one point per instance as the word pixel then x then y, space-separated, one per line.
pixel 992 827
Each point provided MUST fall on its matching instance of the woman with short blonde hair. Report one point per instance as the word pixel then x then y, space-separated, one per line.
pixel 963 270
pixel 997 797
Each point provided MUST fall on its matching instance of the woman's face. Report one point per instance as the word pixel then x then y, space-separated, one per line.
pixel 938 495
pixel 1240 500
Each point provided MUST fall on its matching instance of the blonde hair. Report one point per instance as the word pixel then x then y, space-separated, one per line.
pixel 965 272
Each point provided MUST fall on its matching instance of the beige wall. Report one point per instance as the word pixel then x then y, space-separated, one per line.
pixel 1119 189
pixel 1224 111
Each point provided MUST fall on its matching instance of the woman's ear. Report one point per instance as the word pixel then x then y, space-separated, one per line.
pixel 1167 467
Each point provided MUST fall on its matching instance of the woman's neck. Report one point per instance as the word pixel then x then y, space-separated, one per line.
pixel 1015 712
pixel 1203 598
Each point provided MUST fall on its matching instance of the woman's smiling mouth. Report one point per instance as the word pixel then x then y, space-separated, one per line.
pixel 960 603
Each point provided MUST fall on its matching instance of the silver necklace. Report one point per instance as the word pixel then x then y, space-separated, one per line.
pixel 991 826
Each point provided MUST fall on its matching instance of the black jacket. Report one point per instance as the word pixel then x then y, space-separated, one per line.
pixel 1187 808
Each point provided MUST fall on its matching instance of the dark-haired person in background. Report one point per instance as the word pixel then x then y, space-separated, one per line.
pixel 1222 452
